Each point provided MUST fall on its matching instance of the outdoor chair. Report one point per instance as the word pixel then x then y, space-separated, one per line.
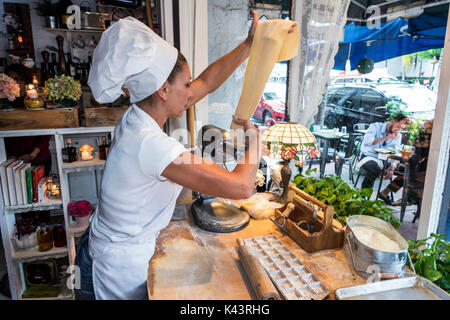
pixel 360 126
pixel 346 154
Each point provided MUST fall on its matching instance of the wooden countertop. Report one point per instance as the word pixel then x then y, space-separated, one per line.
pixel 190 263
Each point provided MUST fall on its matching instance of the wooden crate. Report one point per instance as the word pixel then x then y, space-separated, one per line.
pixel 104 116
pixel 328 232
pixel 22 119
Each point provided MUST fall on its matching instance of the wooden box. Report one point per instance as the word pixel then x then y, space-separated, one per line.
pixel 327 232
pixel 22 119
pixel 104 116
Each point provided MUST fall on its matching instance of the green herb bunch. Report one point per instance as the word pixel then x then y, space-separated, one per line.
pixel 346 201
pixel 61 88
pixel 431 259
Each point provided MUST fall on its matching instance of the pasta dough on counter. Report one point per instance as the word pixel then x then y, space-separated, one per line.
pixel 258 206
pixel 375 239
pixel 271 44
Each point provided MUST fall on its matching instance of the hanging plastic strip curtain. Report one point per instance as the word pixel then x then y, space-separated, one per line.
pixel 321 25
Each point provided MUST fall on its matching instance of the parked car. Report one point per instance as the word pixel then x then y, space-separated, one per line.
pixel 362 79
pixel 270 106
pixel 366 103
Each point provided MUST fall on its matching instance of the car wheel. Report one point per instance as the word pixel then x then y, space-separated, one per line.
pixel 266 116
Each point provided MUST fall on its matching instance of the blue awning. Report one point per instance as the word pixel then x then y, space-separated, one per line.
pixel 392 39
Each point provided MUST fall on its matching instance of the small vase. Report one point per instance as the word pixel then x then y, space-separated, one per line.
pixel 51 22
pixel 34 103
pixel 82 221
pixel 27 241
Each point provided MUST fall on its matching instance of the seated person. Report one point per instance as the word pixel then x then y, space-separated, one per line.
pixel 417 170
pixel 380 135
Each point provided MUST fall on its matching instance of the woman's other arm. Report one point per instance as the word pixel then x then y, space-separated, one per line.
pixel 207 177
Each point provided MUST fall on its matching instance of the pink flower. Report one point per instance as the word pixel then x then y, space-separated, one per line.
pixel 79 208
pixel 8 87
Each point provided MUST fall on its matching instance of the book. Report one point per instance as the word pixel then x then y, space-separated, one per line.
pixel 37 174
pixel 11 181
pixel 18 183
pixel 41 190
pixel 4 181
pixel 23 181
pixel 29 179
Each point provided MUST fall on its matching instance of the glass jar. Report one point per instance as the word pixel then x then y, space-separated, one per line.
pixel 86 152
pixel 59 235
pixel 33 100
pixel 34 103
pixel 44 238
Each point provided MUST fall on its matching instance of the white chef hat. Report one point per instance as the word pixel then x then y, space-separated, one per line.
pixel 132 56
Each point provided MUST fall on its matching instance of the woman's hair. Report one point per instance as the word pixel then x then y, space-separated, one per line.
pixel 401 117
pixel 179 64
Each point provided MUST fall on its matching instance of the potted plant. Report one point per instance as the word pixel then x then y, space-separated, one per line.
pixel 64 90
pixel 9 90
pixel 431 259
pixel 346 200
pixel 81 211
pixel 25 233
pixel 48 10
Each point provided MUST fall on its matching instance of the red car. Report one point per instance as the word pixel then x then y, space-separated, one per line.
pixel 270 107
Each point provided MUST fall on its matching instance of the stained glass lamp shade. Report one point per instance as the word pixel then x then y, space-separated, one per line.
pixel 289 141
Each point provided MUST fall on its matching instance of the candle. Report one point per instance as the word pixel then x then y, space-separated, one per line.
pixel 32 92
pixel 85 155
pixel 55 190
pixel 86 152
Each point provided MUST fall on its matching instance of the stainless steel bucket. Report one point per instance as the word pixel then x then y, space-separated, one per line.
pixel 367 261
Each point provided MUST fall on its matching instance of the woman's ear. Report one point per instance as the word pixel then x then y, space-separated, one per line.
pixel 163 91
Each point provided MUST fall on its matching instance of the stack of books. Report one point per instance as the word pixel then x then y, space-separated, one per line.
pixel 20 182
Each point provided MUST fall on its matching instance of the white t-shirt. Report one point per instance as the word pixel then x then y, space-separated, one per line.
pixel 136 202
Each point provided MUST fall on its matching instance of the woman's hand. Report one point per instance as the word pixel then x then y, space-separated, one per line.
pixel 251 32
pixel 247 124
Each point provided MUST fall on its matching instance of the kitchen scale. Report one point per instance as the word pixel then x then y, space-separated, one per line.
pixel 211 213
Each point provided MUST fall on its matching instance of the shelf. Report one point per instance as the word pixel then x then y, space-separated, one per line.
pixel 95 164
pixel 35 254
pixel 75 30
pixel 59 297
pixel 37 206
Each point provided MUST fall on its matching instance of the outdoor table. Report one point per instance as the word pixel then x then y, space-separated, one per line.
pixel 327 137
pixel 361 131
pixel 384 157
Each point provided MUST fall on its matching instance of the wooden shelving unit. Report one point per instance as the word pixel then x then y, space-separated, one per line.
pixel 16 257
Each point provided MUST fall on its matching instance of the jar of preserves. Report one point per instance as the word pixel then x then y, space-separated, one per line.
pixel 44 238
pixel 59 235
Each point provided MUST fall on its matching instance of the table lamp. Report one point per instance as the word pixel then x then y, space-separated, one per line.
pixel 287 141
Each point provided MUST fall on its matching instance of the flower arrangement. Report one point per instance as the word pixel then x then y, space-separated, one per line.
pixel 8 87
pixel 25 226
pixel 80 208
pixel 63 89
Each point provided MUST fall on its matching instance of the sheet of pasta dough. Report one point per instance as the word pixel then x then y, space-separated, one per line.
pixel 271 44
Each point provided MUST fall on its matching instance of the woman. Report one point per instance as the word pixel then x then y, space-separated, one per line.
pixel 146 169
